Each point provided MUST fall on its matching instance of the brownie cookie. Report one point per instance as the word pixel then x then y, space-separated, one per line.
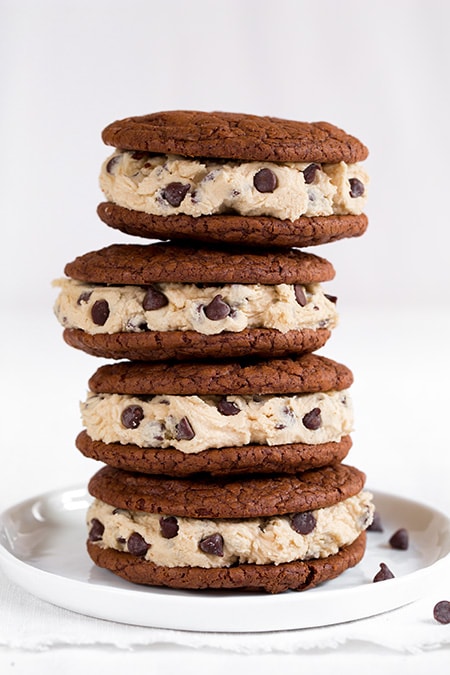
pixel 223 177
pixel 284 415
pixel 172 301
pixel 251 532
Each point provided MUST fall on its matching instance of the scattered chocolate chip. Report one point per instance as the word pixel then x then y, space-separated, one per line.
pixel 212 544
pixel 400 539
pixel 376 525
pixel 265 180
pixel 356 187
pixel 331 298
pixel 383 574
pixel 303 523
pixel 154 299
pixel 132 416
pixel 217 309
pixel 227 407
pixel 313 419
pixel 169 527
pixel 100 312
pixel 184 431
pixel 174 193
pixel 137 544
pixel 441 611
pixel 309 174
pixel 96 531
pixel 300 295
pixel 112 164
pixel 84 297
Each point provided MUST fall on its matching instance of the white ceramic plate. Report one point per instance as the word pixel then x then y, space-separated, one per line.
pixel 42 548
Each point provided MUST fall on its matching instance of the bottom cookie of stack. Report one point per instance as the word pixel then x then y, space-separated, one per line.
pixel 267 533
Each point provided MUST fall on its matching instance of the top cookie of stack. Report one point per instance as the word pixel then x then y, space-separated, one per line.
pixel 233 178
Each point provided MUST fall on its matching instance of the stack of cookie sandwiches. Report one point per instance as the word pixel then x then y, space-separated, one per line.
pixel 221 431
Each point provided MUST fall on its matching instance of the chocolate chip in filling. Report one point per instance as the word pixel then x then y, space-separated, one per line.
pixel 313 419
pixel 356 187
pixel 300 295
pixel 132 416
pixel 309 174
pixel 227 407
pixel 84 297
pixel 217 309
pixel 137 544
pixel 154 299
pixel 168 527
pixel 112 164
pixel 265 180
pixel 184 430
pixel 100 312
pixel 96 530
pixel 303 523
pixel 212 544
pixel 174 193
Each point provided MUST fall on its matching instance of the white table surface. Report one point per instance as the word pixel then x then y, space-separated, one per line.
pixel 400 395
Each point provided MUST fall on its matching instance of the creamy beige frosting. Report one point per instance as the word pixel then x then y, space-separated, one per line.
pixel 251 540
pixel 264 420
pixel 251 306
pixel 138 180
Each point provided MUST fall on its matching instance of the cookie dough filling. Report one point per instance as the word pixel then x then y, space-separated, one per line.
pixel 165 185
pixel 204 309
pixel 172 541
pixel 193 423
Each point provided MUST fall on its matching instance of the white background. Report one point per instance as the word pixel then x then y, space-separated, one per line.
pixel 379 69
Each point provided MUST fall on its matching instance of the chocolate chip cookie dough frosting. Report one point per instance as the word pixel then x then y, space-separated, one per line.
pixel 195 423
pixel 170 184
pixel 205 309
pixel 172 541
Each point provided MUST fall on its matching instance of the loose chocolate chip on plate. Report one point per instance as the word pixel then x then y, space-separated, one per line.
pixel 154 299
pixel 132 416
pixel 300 295
pixel 84 297
pixel 96 531
pixel 265 180
pixel 174 193
pixel 376 525
pixel 217 309
pixel 441 611
pixel 100 312
pixel 212 544
pixel 168 527
pixel 227 407
pixel 313 419
pixel 400 539
pixel 356 187
pixel 137 544
pixel 309 174
pixel 184 431
pixel 383 574
pixel 303 523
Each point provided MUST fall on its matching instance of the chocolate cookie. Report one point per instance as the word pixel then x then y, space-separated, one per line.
pixel 234 136
pixel 172 301
pixel 282 415
pixel 270 533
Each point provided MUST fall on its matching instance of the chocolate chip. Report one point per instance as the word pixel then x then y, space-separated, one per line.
pixel 174 193
pixel 112 164
pixel 400 539
pixel 138 154
pixel 137 544
pixel 84 297
pixel 265 180
pixel 184 431
pixel 376 525
pixel 169 527
pixel 309 174
pixel 217 309
pixel 132 416
pixel 356 187
pixel 383 574
pixel 227 407
pixel 313 419
pixel 100 312
pixel 300 295
pixel 331 298
pixel 303 523
pixel 121 540
pixel 96 531
pixel 441 611
pixel 212 544
pixel 154 299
